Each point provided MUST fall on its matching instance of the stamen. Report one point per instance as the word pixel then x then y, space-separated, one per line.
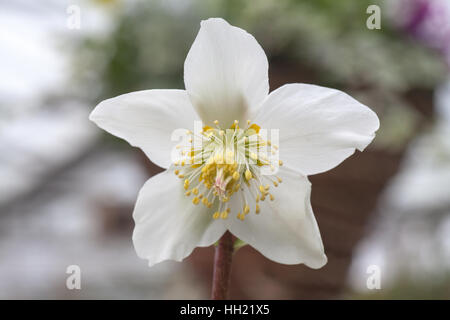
pixel 221 167
pixel 262 189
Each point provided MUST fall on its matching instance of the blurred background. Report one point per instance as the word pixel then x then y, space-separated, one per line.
pixel 67 189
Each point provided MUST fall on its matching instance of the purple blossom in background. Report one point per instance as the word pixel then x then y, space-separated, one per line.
pixel 427 21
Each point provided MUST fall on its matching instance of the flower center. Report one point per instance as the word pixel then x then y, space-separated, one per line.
pixel 217 164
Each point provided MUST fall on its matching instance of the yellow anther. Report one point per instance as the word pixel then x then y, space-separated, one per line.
pixel 262 189
pixel 195 191
pixel 256 128
pixel 257 198
pixel 263 197
pixel 177 172
pixel 216 215
pixel 216 122
pixel 236 121
pixel 206 129
pixel 176 162
pixel 183 163
pixel 257 209
pixel 267 187
pixel 196 200
pixel 186 184
pixel 279 180
pixel 253 155
pixel 228 210
pixel 200 196
pixel 269 143
pixel 224 215
pixel 248 122
pixel 205 201
pixel 181 176
pixel 275 183
pixel 271 197
pixel 241 216
pixel 235 175
pixel 280 163
pixel 188 193
pixel 225 199
pixel 248 174
pixel 246 209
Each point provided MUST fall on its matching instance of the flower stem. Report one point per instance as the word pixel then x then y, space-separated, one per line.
pixel 222 267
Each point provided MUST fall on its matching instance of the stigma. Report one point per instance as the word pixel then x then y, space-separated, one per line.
pixel 218 164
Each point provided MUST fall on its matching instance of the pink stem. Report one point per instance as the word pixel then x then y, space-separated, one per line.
pixel 222 267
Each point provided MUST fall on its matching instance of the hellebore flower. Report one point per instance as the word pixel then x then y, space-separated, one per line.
pixel 218 184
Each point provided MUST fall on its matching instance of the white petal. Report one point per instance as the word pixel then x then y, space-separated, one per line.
pixel 146 119
pixel 225 73
pixel 285 230
pixel 319 127
pixel 168 225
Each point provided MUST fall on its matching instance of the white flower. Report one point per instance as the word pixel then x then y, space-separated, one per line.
pixel 226 79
